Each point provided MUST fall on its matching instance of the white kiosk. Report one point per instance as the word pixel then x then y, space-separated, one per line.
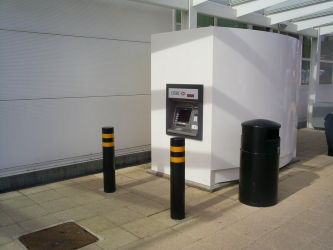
pixel 245 74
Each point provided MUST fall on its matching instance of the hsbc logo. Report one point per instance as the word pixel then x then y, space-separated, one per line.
pixel 174 92
pixel 183 93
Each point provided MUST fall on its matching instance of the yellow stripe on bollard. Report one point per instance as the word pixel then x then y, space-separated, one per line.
pixel 177 159
pixel 107 136
pixel 108 144
pixel 177 149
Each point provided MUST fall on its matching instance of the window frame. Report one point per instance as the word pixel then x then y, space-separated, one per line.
pixel 327 62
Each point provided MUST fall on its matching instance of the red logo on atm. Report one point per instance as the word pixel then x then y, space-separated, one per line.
pixel 190 95
pixel 182 93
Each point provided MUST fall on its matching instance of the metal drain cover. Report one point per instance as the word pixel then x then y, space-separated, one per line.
pixel 65 236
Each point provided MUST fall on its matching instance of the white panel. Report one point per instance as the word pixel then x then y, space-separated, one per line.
pixel 299 12
pixel 120 19
pixel 314 22
pixel 326 30
pixel 291 4
pixel 176 4
pixel 59 84
pixel 246 75
pixel 253 6
pixel 43 130
pixel 258 81
pixel 218 10
pixel 48 66
pixel 185 58
pixel 197 2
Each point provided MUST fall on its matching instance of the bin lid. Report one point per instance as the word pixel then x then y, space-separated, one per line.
pixel 261 123
pixel 328 116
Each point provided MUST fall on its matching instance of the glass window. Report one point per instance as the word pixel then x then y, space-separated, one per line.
pixel 230 23
pixel 205 21
pixel 327 47
pixel 306 48
pixel 178 20
pixel 178 16
pixel 325 73
pixel 305 76
pixel 261 28
pixel 294 35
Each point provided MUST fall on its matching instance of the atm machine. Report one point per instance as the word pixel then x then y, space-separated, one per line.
pixel 184 110
pixel 205 82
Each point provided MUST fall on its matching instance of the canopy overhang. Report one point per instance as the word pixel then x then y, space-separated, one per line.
pixel 275 14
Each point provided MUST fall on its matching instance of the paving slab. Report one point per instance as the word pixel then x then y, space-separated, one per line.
pixel 137 215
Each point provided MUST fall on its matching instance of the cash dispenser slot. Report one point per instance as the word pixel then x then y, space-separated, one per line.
pixel 184 110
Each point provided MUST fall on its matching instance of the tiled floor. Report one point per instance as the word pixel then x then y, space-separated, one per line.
pixel 137 216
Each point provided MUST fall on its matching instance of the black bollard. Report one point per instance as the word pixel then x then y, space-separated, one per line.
pixel 177 178
pixel 108 160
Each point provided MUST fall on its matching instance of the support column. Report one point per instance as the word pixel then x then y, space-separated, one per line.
pixel 301 42
pixel 189 18
pixel 215 21
pixel 184 20
pixel 314 78
pixel 192 16
pixel 300 87
pixel 173 23
pixel 300 68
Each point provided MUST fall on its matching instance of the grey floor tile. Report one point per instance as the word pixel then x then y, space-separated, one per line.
pixel 137 215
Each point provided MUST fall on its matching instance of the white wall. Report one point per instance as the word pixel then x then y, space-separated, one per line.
pixel 67 68
pixel 184 57
pixel 246 74
pixel 256 76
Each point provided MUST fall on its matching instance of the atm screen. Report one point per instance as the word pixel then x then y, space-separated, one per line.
pixel 183 115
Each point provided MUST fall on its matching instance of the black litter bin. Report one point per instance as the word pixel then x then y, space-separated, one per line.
pixel 259 163
pixel 329 133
